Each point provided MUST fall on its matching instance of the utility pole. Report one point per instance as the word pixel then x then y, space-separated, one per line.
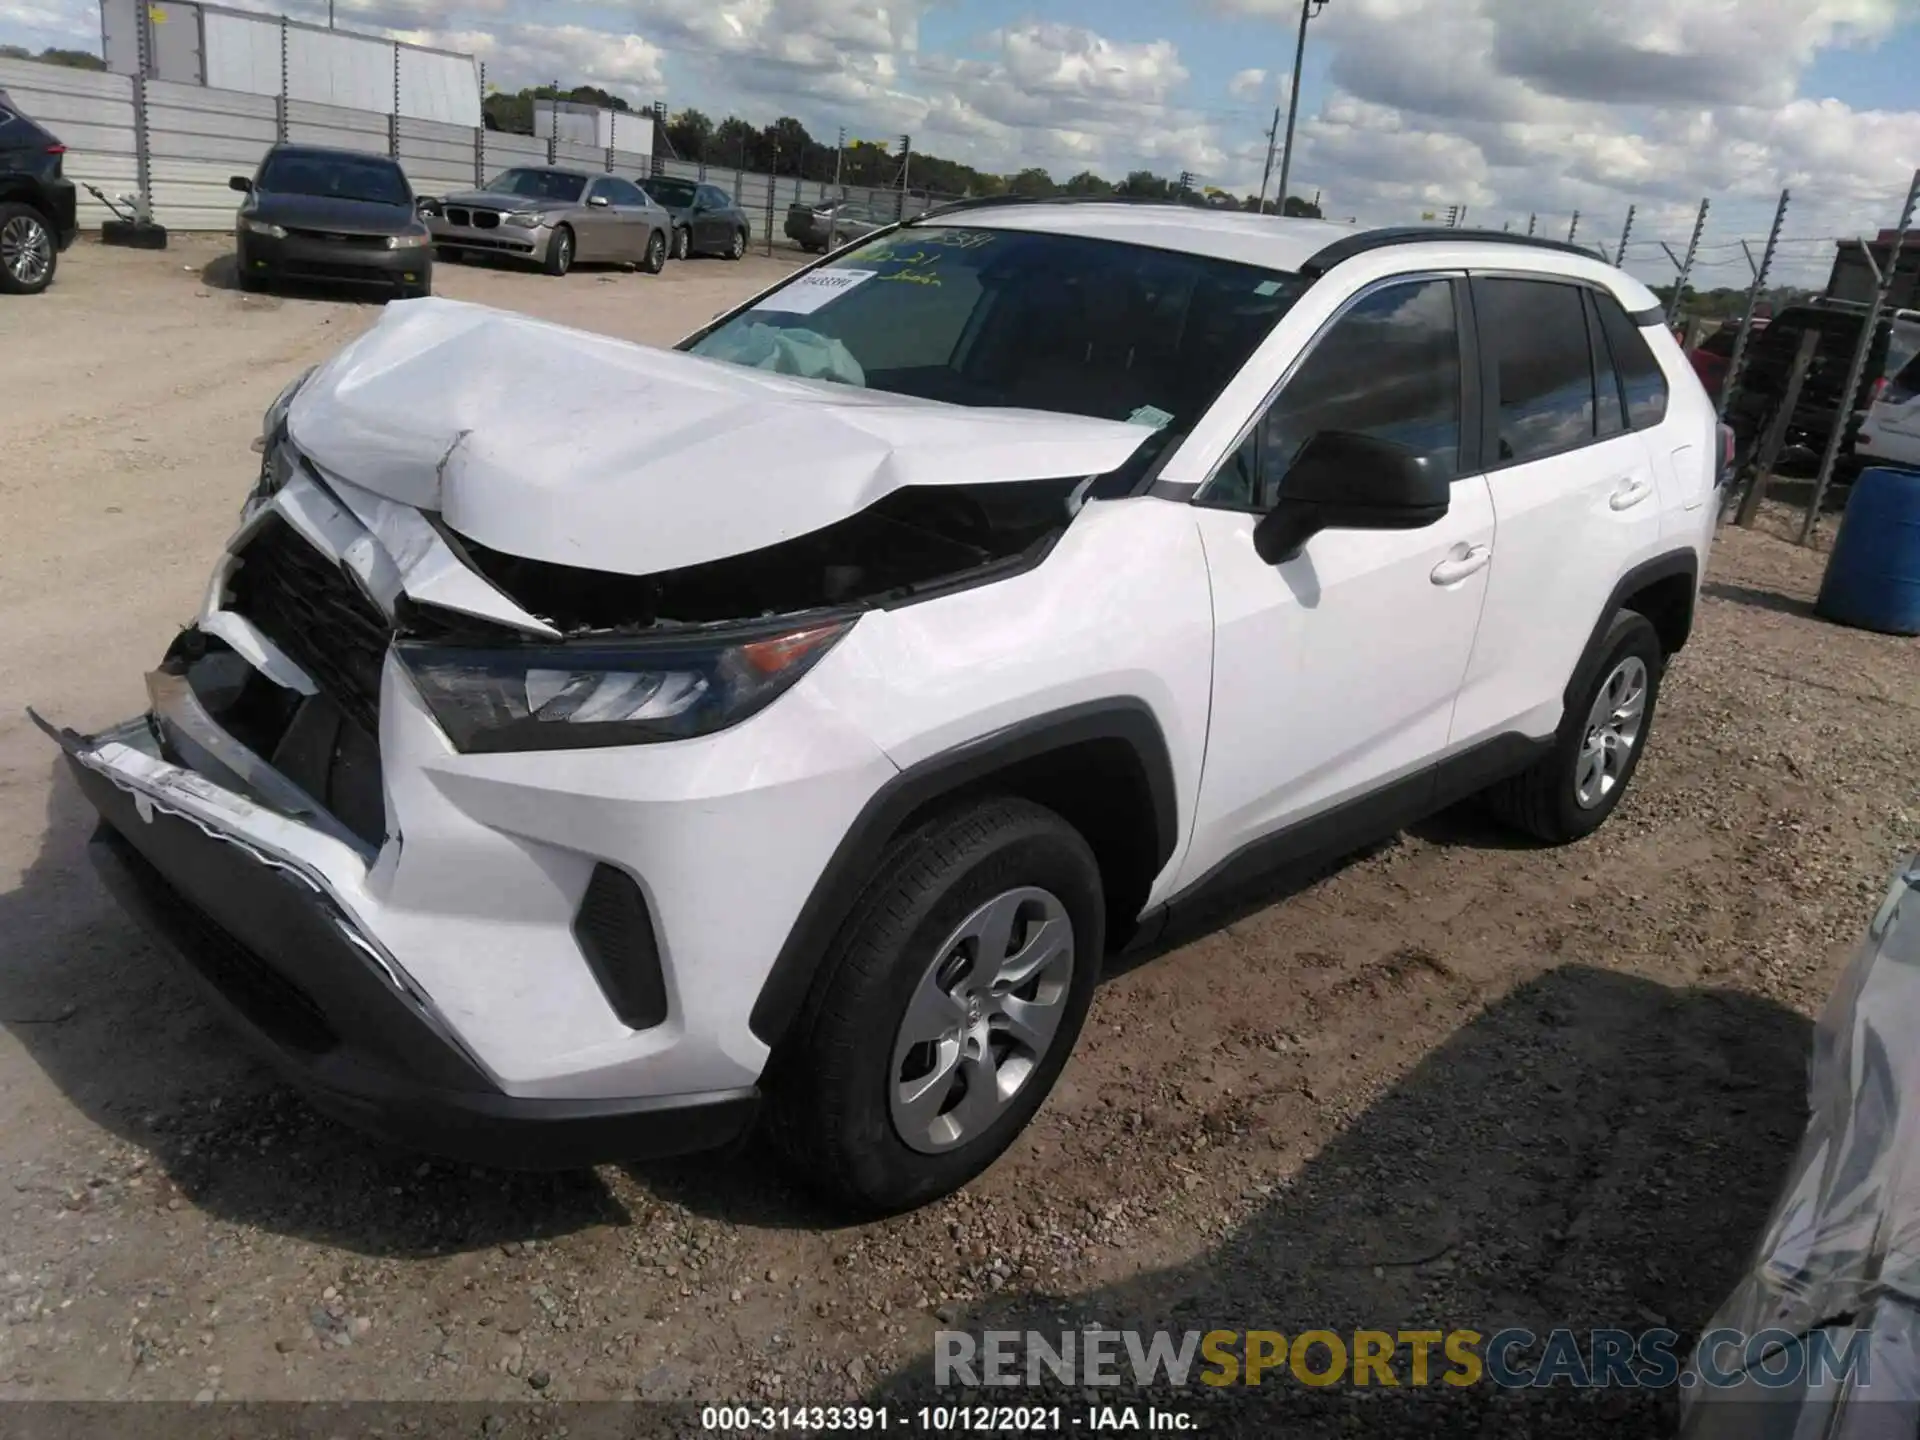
pixel 839 155
pixel 1266 171
pixel 329 14
pixel 1308 9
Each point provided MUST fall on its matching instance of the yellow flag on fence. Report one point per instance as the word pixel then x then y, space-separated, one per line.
pixel 1428 215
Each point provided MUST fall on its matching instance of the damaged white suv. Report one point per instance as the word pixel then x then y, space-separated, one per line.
pixel 584 749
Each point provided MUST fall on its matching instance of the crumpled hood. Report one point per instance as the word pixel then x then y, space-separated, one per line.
pixel 559 445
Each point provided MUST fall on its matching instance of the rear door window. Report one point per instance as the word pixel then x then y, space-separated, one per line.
pixel 1610 407
pixel 1542 364
pixel 1642 380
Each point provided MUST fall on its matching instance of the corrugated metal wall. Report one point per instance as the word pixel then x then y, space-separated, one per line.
pixel 199 137
pixel 92 113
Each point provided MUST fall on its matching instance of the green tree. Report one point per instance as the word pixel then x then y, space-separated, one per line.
pixel 691 134
pixel 1087 183
pixel 1032 184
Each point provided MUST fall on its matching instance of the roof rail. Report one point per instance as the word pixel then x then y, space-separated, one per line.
pixel 979 202
pixel 1367 240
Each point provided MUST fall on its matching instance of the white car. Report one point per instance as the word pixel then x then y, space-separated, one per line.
pixel 1890 435
pixel 584 749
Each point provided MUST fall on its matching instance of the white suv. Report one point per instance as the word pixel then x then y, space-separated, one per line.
pixel 585 748
pixel 1890 434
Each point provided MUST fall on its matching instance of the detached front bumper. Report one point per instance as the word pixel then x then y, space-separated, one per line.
pixel 319 999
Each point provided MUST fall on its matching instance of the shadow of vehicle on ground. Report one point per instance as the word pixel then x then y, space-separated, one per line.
pixel 223 273
pixel 1593 1150
pixel 110 1023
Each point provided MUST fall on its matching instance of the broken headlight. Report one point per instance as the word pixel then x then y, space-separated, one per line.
pixel 616 692
pixel 277 460
pixel 275 419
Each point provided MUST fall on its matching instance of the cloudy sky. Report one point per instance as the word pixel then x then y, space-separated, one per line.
pixel 1509 107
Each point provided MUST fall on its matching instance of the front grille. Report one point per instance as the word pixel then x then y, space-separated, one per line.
pixel 473 219
pixel 486 219
pixel 335 270
pixel 332 237
pixel 316 612
pixel 459 215
pixel 466 242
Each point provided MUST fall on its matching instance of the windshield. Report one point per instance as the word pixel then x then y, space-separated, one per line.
pixel 678 193
pixel 539 185
pixel 1019 319
pixel 339 177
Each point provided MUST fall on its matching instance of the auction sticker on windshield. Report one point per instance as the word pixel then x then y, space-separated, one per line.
pixel 814 289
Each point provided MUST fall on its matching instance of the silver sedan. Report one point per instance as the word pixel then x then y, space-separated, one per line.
pixel 553 218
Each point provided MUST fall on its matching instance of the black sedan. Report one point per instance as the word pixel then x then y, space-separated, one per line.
pixel 338 216
pixel 706 221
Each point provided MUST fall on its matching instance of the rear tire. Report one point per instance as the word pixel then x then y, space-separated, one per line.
pixel 1569 792
pixel 29 251
pixel 839 1111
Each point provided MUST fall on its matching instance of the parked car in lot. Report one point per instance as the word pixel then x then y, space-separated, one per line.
pixel 706 221
pixel 1890 435
pixel 821 226
pixel 37 210
pixel 1712 357
pixel 529 795
pixel 1822 1334
pixel 1763 383
pixel 341 217
pixel 554 218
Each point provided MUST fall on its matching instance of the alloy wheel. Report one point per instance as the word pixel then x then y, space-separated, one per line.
pixel 1612 730
pixel 981 1020
pixel 26 250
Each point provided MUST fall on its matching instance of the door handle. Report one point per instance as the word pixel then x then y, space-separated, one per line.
pixel 1453 571
pixel 1629 494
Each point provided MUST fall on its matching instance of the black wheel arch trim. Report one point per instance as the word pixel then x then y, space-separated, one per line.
pixel 1662 567
pixel 851 866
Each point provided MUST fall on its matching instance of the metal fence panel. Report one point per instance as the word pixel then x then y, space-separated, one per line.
pixel 93 116
pixel 200 138
pixel 505 151
pixel 438 158
pixel 583 157
pixel 312 124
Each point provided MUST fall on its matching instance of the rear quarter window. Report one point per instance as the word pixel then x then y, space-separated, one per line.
pixel 1643 383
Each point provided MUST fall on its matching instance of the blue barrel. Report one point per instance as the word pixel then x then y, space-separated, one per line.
pixel 1873 575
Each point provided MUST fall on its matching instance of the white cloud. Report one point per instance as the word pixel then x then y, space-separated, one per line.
pixel 1507 106
pixel 1246 83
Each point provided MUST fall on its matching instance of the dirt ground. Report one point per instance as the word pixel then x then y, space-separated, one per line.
pixel 1454 1081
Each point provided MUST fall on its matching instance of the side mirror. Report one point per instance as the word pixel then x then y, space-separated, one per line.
pixel 1346 481
pixel 241 183
pixel 600 201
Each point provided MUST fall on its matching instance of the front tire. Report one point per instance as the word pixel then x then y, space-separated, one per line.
pixel 560 252
pixel 682 243
pixel 1570 791
pixel 29 254
pixel 945 1010
pixel 737 247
